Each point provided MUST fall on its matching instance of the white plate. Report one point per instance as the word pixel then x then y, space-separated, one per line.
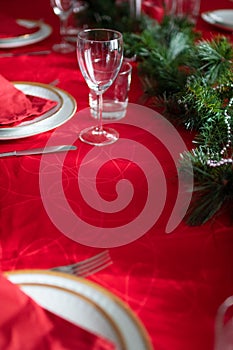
pixel 57 116
pixel 44 30
pixel 85 304
pixel 220 18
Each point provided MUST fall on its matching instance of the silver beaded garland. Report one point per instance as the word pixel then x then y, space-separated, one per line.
pixel 222 161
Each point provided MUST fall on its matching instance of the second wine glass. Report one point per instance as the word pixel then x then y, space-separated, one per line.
pixel 100 54
pixel 63 9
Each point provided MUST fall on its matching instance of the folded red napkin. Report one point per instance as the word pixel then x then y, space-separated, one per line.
pixel 9 28
pixel 15 106
pixel 152 10
pixel 25 325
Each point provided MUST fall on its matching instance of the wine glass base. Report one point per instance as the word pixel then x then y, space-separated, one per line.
pixel 95 137
pixel 63 47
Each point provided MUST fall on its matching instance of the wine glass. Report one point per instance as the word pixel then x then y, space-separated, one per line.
pixel 63 9
pixel 78 21
pixel 100 54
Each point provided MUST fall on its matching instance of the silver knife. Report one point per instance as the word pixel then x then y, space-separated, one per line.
pixel 51 149
pixel 30 53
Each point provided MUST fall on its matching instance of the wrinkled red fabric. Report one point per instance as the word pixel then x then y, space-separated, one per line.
pixel 15 106
pixel 153 10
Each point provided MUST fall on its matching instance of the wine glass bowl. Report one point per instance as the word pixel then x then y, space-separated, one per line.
pixel 63 9
pixel 100 54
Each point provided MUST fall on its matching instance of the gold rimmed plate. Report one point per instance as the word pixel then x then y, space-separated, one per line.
pixel 222 18
pixel 42 32
pixel 85 304
pixel 64 110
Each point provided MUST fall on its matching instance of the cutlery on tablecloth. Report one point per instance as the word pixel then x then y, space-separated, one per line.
pixel 88 266
pixel 51 149
pixel 30 53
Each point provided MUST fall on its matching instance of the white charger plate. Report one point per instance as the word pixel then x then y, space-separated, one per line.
pixel 85 304
pixel 44 30
pixel 65 109
pixel 222 18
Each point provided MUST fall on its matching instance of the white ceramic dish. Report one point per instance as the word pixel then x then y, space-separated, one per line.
pixel 64 110
pixel 44 30
pixel 219 18
pixel 86 304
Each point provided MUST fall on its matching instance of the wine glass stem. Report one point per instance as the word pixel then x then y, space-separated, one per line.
pixel 99 101
pixel 63 27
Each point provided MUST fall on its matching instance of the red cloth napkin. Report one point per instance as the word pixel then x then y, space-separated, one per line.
pixel 153 9
pixel 25 325
pixel 15 106
pixel 9 28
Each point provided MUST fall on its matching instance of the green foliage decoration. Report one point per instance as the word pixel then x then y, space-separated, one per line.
pixel 109 14
pixel 192 79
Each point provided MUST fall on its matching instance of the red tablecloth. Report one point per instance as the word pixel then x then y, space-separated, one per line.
pixel 173 282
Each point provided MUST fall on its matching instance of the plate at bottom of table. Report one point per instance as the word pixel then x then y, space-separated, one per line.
pixel 86 304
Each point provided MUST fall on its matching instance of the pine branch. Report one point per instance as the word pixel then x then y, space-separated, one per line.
pixel 213 187
pixel 216 59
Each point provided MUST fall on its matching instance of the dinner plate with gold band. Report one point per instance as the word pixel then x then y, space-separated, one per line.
pixel 86 304
pixel 221 18
pixel 61 113
pixel 42 31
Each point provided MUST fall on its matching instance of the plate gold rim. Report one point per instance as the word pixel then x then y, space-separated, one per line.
pixel 136 321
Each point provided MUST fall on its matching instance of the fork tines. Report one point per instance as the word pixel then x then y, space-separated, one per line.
pixel 88 266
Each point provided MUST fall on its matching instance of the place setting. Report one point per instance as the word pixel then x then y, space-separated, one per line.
pixel 48 330
pixel 32 108
pixel 76 307
pixel 101 319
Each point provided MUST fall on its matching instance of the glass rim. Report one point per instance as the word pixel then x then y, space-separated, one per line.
pixel 88 30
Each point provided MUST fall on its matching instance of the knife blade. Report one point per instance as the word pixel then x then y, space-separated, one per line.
pixel 30 53
pixel 27 152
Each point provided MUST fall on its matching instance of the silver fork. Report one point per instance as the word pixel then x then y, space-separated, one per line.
pixel 88 266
